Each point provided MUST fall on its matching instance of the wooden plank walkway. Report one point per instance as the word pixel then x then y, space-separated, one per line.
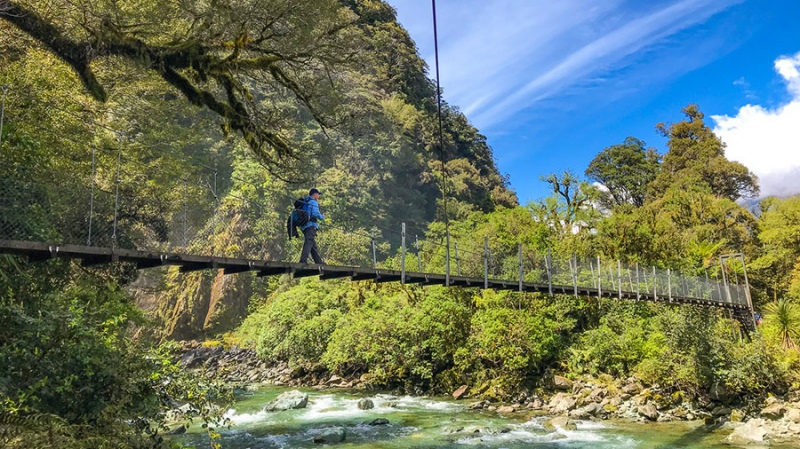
pixel 90 255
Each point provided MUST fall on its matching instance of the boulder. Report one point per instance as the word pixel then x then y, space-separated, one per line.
pixel 331 435
pixel 719 393
pixel 379 422
pixel 771 400
pixel 178 430
pixel 737 415
pixel 562 383
pixel 560 422
pixel 461 392
pixel 720 411
pixel 632 389
pixel 478 405
pixel 649 411
pixel 774 411
pixel 334 380
pixel 752 431
pixel 505 409
pixel 286 401
pixel 365 404
pixel 565 405
pixel 792 415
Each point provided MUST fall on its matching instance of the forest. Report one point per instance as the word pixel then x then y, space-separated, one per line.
pixel 153 101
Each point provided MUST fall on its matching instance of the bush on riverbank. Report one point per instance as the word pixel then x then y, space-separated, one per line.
pixel 73 374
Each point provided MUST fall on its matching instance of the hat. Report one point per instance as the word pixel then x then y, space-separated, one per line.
pixel 313 191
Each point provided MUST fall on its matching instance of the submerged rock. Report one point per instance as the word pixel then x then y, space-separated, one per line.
pixel 287 401
pixel 366 404
pixel 560 422
pixel 332 435
pixel 379 422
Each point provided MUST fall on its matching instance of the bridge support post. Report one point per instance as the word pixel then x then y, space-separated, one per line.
pixel 458 265
pixel 374 254
pixel 419 255
pixel 669 284
pixel 403 255
pixel 655 295
pixel 91 193
pixel 116 196
pixel 521 274
pixel 549 266
pixel 599 279
pixel 573 265
pixel 486 262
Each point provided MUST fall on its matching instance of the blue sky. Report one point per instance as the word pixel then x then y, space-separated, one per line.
pixel 553 83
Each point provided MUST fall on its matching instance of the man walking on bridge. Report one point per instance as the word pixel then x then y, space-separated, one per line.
pixel 310 229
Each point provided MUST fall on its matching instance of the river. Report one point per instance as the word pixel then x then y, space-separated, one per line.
pixel 426 422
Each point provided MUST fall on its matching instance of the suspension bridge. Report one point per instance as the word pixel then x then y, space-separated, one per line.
pixel 106 208
pixel 119 220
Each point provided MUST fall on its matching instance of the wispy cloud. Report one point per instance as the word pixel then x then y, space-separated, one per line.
pixel 501 57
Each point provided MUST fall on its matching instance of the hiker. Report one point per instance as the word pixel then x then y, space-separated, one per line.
pixel 310 228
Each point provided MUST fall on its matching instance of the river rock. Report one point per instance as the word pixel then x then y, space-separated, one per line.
pixel 719 393
pixel 737 415
pixel 792 415
pixel 774 411
pixel 632 389
pixel 771 400
pixel 332 435
pixel 478 405
pixel 365 404
pixel 649 411
pixel 505 409
pixel 720 411
pixel 287 401
pixel 565 405
pixel 460 392
pixel 379 422
pixel 752 431
pixel 560 422
pixel 178 430
pixel 562 383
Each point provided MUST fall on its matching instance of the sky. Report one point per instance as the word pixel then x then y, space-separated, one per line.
pixel 553 83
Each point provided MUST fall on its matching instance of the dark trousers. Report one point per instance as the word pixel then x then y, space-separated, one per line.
pixel 310 246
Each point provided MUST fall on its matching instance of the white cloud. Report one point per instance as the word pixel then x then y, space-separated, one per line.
pixel 765 140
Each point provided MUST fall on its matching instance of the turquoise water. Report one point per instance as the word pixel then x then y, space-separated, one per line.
pixel 423 422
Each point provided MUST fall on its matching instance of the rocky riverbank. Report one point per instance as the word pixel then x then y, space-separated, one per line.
pixel 776 420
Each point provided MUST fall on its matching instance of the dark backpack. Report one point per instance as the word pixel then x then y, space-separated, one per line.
pixel 298 218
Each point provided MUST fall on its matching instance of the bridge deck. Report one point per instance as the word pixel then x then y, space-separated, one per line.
pixel 90 255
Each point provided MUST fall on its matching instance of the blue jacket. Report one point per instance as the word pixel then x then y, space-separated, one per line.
pixel 314 215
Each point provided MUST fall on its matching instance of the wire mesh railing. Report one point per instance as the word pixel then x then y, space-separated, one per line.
pixel 100 204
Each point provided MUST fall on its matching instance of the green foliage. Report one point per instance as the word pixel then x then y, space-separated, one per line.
pixel 74 376
pixel 624 170
pixel 514 344
pixel 696 153
pixel 782 322
pixel 399 339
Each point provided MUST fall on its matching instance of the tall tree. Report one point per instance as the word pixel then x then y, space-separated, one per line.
pixel 624 170
pixel 695 151
pixel 229 56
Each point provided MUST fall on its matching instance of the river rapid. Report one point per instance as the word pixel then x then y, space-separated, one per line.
pixel 427 422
